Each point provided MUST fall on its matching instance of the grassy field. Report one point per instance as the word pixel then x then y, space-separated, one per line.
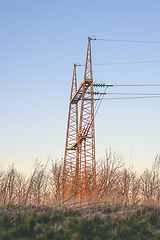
pixel 90 223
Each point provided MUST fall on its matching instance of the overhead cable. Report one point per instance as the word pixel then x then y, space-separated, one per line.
pixel 125 85
pixel 127 98
pixel 120 63
pixel 137 94
pixel 119 40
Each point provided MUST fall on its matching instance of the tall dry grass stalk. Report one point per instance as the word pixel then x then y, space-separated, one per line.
pixel 115 184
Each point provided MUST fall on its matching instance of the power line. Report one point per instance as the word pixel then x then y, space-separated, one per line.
pixel 118 40
pixel 127 98
pixel 125 85
pixel 138 85
pixel 120 63
pixel 138 94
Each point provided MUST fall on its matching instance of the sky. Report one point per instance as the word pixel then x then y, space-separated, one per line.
pixel 39 43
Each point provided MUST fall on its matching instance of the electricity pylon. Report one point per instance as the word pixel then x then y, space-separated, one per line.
pixel 79 159
pixel 71 156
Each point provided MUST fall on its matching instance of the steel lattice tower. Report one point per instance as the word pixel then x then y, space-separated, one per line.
pixel 70 155
pixel 79 159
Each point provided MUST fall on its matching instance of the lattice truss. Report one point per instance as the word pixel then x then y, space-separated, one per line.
pixel 79 172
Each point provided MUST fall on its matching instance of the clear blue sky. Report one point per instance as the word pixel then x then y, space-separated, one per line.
pixel 40 41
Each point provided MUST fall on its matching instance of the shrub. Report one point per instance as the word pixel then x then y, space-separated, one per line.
pixel 153 219
pixel 97 220
pixel 107 210
pixel 32 224
pixel 44 218
pixel 56 218
pixel 50 234
pixel 5 236
pixel 71 213
pixel 5 221
pixel 84 229
pixel 19 219
pixel 38 229
pixel 21 231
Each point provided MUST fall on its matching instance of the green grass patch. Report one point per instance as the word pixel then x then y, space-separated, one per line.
pixel 76 225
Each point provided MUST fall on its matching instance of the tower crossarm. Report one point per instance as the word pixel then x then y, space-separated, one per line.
pixel 74 146
pixel 83 136
pixel 78 94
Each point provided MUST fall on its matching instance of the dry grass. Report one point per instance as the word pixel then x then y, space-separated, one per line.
pixel 115 185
